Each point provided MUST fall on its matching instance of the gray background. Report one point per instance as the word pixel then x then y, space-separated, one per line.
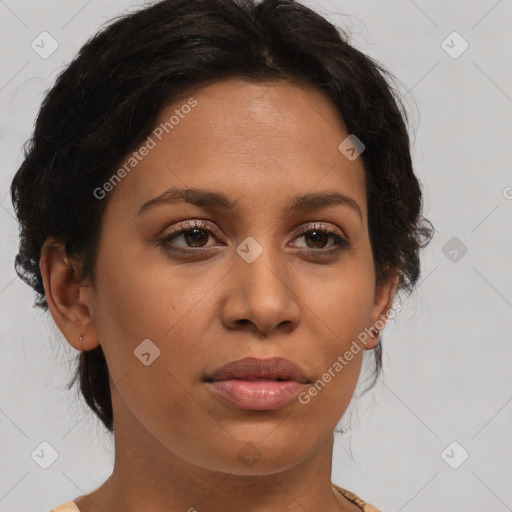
pixel 447 355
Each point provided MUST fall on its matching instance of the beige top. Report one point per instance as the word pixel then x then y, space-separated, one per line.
pixel 70 506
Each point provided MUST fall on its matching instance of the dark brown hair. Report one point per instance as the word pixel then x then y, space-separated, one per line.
pixel 106 101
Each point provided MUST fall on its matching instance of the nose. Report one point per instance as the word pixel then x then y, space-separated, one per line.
pixel 261 295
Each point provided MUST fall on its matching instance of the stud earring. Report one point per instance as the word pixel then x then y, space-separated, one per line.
pixel 81 339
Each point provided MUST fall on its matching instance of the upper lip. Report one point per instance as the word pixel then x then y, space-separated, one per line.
pixel 254 368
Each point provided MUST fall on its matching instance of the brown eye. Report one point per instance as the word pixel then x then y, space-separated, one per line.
pixel 195 237
pixel 188 235
pixel 318 238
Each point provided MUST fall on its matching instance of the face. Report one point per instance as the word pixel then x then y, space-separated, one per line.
pixel 268 257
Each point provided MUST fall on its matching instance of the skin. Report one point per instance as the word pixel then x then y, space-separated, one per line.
pixel 176 443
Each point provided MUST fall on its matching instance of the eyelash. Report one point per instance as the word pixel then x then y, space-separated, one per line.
pixel 183 227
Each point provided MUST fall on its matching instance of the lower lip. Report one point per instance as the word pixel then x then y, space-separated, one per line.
pixel 258 395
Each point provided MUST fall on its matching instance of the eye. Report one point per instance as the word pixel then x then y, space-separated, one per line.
pixel 319 236
pixel 194 234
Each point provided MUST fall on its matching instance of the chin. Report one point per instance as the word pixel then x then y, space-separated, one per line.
pixel 252 458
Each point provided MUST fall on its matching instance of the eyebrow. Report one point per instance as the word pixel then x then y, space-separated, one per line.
pixel 217 200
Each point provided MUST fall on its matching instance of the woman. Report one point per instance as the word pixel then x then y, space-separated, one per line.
pixel 218 208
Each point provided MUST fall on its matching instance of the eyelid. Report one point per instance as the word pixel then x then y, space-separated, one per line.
pixel 191 224
pixel 320 227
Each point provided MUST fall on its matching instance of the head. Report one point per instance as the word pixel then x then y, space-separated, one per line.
pixel 271 240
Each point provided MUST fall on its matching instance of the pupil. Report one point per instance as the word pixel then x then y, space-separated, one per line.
pixel 315 236
pixel 195 235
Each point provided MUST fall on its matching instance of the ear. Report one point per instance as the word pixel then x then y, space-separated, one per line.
pixel 384 296
pixel 69 301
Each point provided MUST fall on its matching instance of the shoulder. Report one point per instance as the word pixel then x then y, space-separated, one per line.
pixel 365 507
pixel 69 506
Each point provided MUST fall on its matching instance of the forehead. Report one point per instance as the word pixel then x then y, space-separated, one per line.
pixel 243 138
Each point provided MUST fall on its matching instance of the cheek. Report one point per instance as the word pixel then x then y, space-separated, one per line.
pixel 171 306
pixel 160 306
pixel 341 299
pixel 336 323
pixel 324 402
pixel 338 311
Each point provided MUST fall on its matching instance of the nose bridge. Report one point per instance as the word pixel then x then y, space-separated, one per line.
pixel 260 265
pixel 264 292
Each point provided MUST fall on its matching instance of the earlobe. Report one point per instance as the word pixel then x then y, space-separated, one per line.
pixel 67 300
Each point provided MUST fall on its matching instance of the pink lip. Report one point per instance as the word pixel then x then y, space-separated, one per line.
pixel 258 384
pixel 262 395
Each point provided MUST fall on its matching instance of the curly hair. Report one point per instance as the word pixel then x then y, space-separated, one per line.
pixel 106 101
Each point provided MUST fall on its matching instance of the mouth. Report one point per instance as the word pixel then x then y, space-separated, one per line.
pixel 257 384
